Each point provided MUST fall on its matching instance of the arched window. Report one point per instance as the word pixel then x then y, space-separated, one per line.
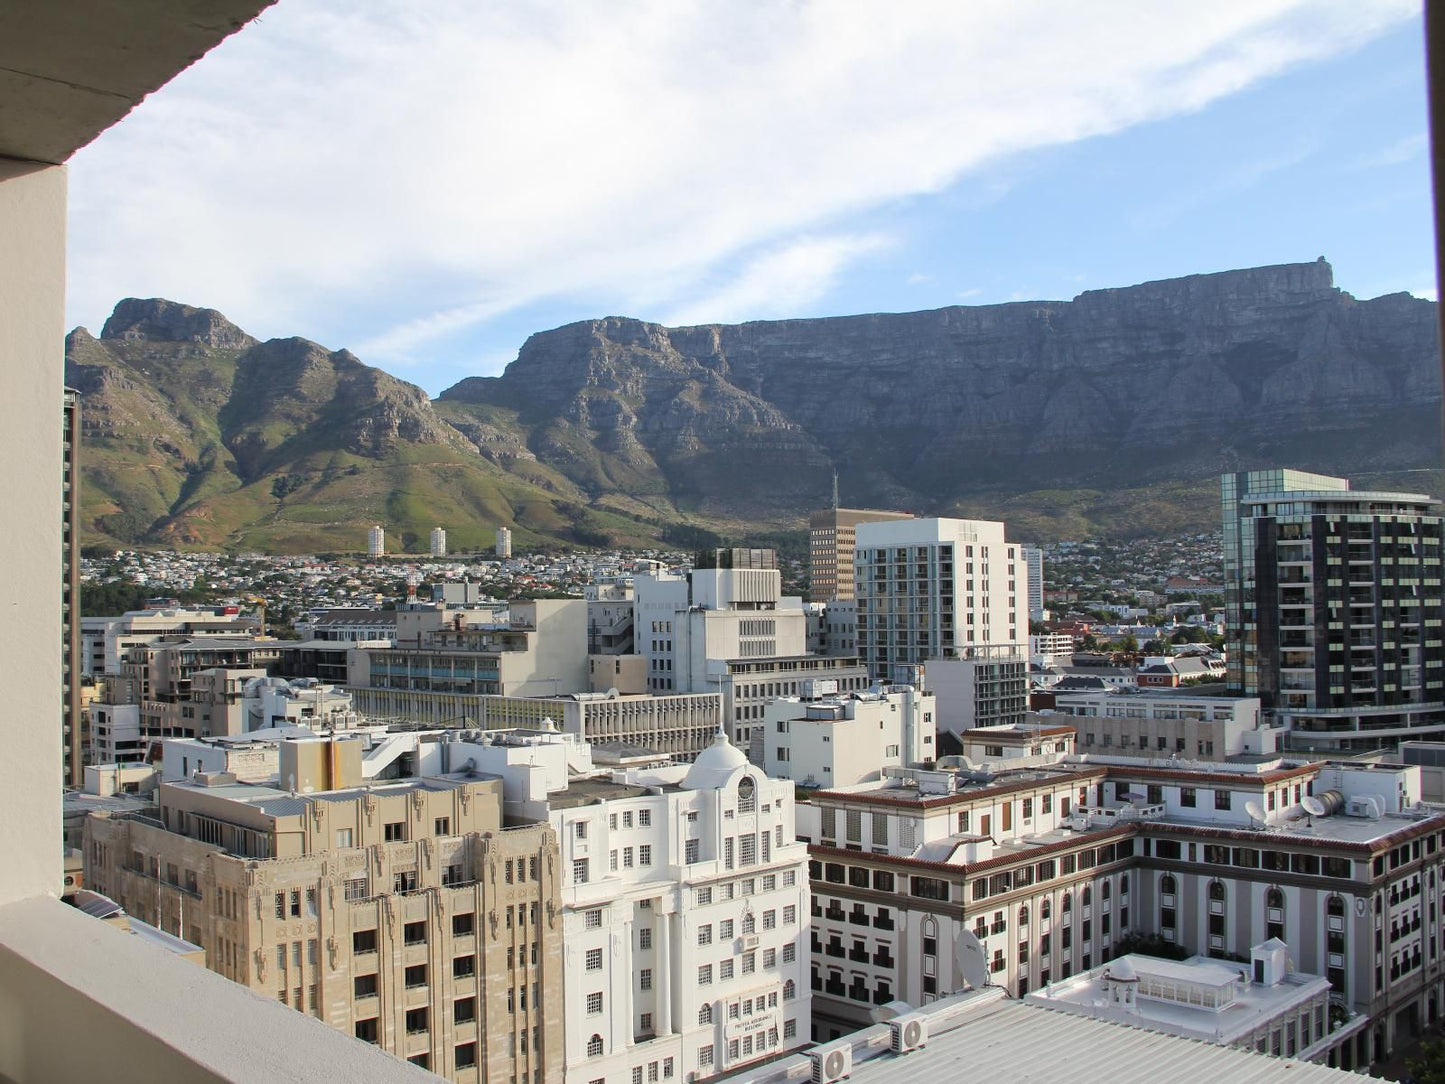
pixel 1068 903
pixel 1274 913
pixel 1106 890
pixel 704 1014
pixel 1024 915
pixel 1044 908
pixel 594 1046
pixel 1088 895
pixel 790 991
pixel 747 795
pixel 1166 883
pixel 1217 919
pixel 1336 907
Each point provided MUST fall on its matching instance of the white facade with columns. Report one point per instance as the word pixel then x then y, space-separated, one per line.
pixel 685 903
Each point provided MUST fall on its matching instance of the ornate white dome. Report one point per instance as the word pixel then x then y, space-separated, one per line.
pixel 715 766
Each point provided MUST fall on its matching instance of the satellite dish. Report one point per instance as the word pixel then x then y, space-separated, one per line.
pixel 890 1010
pixel 972 964
pixel 1313 806
pixel 1255 810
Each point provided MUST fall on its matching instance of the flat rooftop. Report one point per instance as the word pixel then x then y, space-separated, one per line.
pixel 1248 1004
pixel 984 1035
pixel 586 791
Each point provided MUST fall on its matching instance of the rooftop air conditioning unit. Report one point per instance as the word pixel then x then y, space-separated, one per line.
pixel 750 942
pixel 909 1032
pixel 832 1062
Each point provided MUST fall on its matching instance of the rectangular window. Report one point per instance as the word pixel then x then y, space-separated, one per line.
pixel 395 831
pixel 644 979
pixel 363 941
pixel 464 925
pixel 579 871
pixel 416 1020
pixel 442 826
pixel 594 1003
pixel 343 838
pixel 594 959
pixel 364 986
pixel 690 852
pixel 704 975
pixel 644 855
pixel 592 920
pixel 704 934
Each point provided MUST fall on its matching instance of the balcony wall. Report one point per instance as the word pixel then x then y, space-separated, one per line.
pixel 82 1000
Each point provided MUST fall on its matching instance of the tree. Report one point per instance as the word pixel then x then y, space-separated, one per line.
pixel 1129 643
pixel 1153 647
pixel 1428 1064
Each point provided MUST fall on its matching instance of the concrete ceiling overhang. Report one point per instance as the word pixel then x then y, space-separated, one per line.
pixel 69 69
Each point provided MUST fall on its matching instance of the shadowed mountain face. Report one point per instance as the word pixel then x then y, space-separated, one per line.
pixel 1116 389
pixel 1111 413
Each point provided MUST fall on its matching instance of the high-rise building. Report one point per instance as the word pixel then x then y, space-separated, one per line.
pixel 831 536
pixel 438 542
pixel 1034 558
pixel 934 588
pixel 731 630
pixel 1333 607
pixel 71 725
pixel 504 542
pixel 376 542
pixel 376 907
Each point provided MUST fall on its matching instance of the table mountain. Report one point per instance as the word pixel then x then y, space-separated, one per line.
pixel 1112 412
pixel 968 408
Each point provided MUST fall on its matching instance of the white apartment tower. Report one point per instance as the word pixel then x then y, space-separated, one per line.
pixel 685 911
pixel 438 542
pixel 504 542
pixel 935 588
pixel 376 541
pixel 1034 558
pixel 685 903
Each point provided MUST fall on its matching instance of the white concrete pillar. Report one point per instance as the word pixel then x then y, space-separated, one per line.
pixel 32 380
pixel 662 972
pixel 623 1023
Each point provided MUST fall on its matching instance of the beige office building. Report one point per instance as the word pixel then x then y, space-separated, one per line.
pixel 831 536
pixel 379 909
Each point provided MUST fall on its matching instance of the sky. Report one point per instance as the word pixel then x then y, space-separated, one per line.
pixel 426 184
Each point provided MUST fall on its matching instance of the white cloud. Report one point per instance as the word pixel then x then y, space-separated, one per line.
pixel 973 291
pixel 918 277
pixel 407 171
pixel 778 283
pixel 1397 153
pixel 1429 293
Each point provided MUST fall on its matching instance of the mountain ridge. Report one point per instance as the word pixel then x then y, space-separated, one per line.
pixel 1122 405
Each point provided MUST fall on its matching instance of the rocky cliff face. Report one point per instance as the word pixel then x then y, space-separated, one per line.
pixel 1120 387
pixel 194 433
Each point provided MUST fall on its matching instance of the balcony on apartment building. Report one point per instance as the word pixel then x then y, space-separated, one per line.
pixel 81 999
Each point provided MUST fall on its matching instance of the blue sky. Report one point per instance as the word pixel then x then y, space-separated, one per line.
pixel 427 186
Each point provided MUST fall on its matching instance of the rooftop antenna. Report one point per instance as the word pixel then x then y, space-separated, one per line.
pixel 835 489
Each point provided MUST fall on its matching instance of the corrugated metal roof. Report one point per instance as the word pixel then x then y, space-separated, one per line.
pixel 986 1035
